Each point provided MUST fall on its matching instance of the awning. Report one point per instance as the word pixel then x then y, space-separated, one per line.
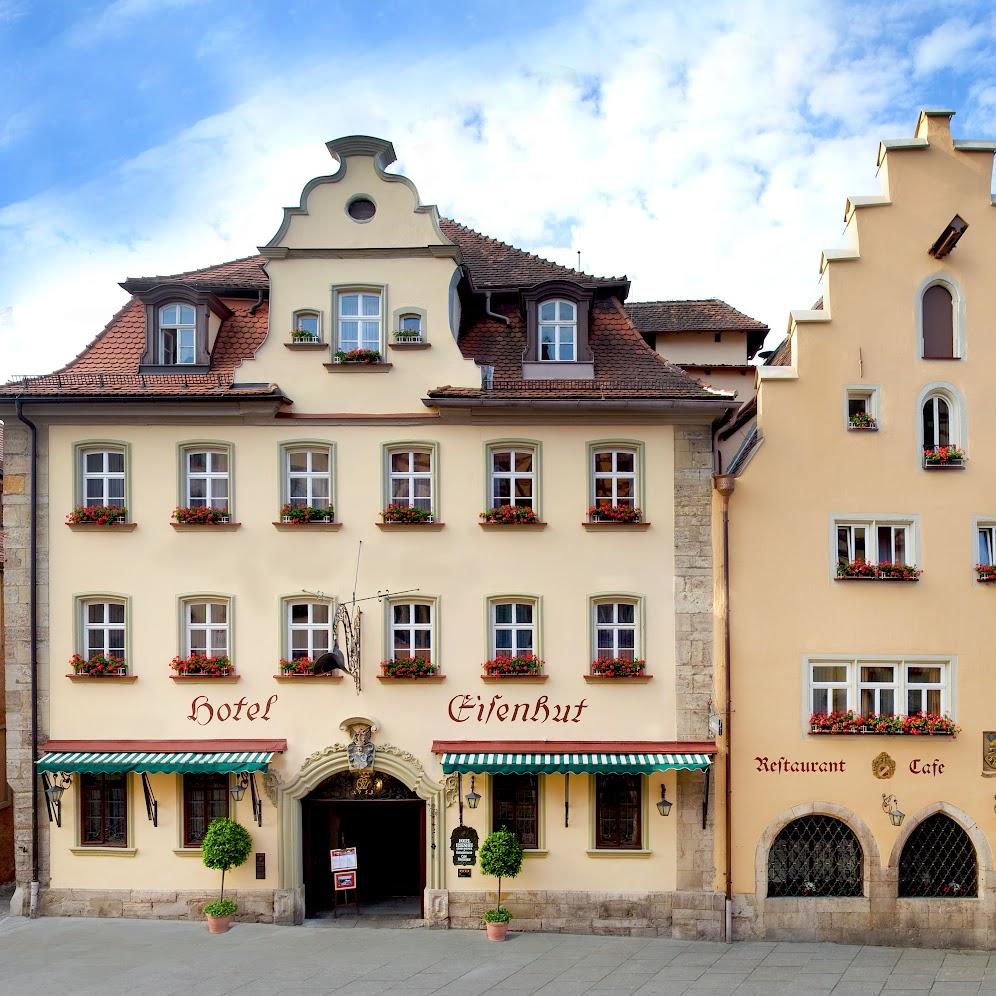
pixel 620 763
pixel 158 756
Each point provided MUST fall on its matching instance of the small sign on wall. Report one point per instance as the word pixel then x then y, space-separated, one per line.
pixel 463 873
pixel 343 859
pixel 463 844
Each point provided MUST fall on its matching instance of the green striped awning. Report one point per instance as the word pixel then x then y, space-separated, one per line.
pixel 625 764
pixel 187 762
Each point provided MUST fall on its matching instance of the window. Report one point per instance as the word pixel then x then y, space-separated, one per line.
pixel 937 323
pixel 309 629
pixel 103 478
pixel 410 326
pixel 875 542
pixel 513 477
pixel 103 629
pixel 816 856
pixel 862 411
pixel 938 861
pixel 207 484
pixel 309 476
pixel 411 630
pixel 410 477
pixel 558 330
pixel 881 687
pixel 177 334
pixel 618 807
pixel 987 545
pixel 205 798
pixel 206 628
pixel 615 630
pixel 515 805
pixel 513 628
pixel 361 209
pixel 936 422
pixel 614 477
pixel 359 320
pixel 307 325
pixel 104 810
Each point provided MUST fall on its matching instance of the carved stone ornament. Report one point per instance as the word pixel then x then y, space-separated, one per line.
pixel 271 785
pixel 989 752
pixel 883 766
pixel 451 790
pixel 360 750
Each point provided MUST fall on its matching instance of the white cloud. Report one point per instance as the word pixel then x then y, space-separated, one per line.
pixel 948 44
pixel 714 161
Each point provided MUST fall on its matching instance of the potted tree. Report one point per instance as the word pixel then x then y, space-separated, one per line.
pixel 501 856
pixel 226 845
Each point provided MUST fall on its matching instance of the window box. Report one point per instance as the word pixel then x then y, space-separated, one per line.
pixel 920 724
pixel 615 668
pixel 97 515
pixel 98 666
pixel 301 515
pixel 510 515
pixel 408 515
pixel 201 666
pixel 862 422
pixel 986 572
pixel 304 667
pixel 304 336
pixel 409 669
pixel 358 356
pixel 604 511
pixel 201 515
pixel 520 666
pixel 859 570
pixel 408 337
pixel 943 458
pixel 607 525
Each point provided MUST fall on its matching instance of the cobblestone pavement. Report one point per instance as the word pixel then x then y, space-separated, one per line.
pixel 56 956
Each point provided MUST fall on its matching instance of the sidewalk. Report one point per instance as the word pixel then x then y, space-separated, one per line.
pixel 57 956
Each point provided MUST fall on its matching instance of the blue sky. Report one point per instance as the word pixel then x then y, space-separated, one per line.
pixel 150 136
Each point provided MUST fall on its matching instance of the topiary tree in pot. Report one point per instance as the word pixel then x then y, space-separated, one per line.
pixel 501 856
pixel 226 845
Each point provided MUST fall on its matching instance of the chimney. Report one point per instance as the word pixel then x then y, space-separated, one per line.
pixel 934 124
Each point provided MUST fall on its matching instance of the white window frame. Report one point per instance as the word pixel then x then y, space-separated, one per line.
pixel 615 475
pixel 209 475
pixel 987 525
pixel 104 475
pixel 185 335
pixel 616 627
pixel 359 318
pixel 514 626
pixel 957 415
pixel 311 628
pixel 412 627
pixel 557 323
pixel 876 688
pixel 308 313
pixel 405 316
pixel 512 475
pixel 923 687
pixel 309 476
pixel 853 663
pixel 828 686
pixel 871 523
pixel 958 315
pixel 209 626
pixel 104 627
pixel 870 394
pixel 411 476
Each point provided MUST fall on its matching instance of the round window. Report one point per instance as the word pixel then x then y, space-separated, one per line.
pixel 361 209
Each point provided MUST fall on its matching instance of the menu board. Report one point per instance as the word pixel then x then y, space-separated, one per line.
pixel 343 859
pixel 344 880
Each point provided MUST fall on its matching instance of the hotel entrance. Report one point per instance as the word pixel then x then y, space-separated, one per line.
pixel 385 821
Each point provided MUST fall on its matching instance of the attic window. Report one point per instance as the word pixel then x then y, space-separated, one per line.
pixel 177 334
pixel 558 328
pixel 361 209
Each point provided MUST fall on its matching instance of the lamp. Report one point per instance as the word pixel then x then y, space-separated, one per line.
pixel 61 780
pixel 664 804
pixel 238 790
pixel 473 798
pixel 891 808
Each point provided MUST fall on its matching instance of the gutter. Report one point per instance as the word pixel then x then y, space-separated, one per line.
pixel 539 404
pixel 33 910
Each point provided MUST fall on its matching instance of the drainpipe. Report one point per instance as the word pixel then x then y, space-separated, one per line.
pixel 33 911
pixel 489 312
pixel 724 484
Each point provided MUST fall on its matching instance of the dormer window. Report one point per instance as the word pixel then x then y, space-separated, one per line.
pixel 558 328
pixel 177 334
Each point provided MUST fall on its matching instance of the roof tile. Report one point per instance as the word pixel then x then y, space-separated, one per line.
pixel 707 315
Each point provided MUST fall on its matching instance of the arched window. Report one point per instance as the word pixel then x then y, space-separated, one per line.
pixel 558 330
pixel 937 422
pixel 938 861
pixel 177 334
pixel 815 856
pixel 937 323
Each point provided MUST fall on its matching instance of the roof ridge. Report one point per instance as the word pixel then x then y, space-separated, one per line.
pixel 202 269
pixel 682 300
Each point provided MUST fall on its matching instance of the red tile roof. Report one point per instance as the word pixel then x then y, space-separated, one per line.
pixel 246 273
pixel 708 315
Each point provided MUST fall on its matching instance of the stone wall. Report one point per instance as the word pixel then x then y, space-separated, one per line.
pixel 254 906
pixel 17 598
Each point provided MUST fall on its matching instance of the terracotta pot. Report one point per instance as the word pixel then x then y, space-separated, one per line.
pixel 496 931
pixel 219 924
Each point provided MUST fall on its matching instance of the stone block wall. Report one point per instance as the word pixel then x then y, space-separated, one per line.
pixel 254 906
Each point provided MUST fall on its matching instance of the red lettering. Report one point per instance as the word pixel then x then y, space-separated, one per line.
pixel 239 706
pixel 501 713
pixel 196 706
pixel 253 711
pixel 541 703
pixel 228 712
pixel 266 711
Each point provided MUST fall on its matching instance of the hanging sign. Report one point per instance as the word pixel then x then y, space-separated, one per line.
pixel 345 880
pixel 463 844
pixel 343 859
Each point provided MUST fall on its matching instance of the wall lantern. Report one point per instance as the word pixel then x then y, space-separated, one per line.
pixel 889 806
pixel 238 790
pixel 55 785
pixel 664 804
pixel 473 798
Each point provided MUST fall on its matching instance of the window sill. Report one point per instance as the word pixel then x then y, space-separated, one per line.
pixel 944 466
pixel 522 678
pixel 222 527
pixel 87 527
pixel 409 345
pixel 305 526
pixel 875 733
pixel 103 677
pixel 187 852
pixel 229 678
pixel 535 852
pixel 427 677
pixel 881 580
pixel 618 852
pixel 862 428
pixel 358 367
pixel 106 852
pixel 428 526
pixel 628 679
pixel 512 525
pixel 615 525
pixel 335 676
pixel 306 345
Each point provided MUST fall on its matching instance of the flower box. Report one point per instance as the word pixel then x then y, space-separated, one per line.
pixel 201 666
pixel 943 456
pixel 97 515
pixel 408 514
pixel 368 356
pixel 859 570
pixel 986 573
pixel 617 667
pixel 605 511
pixel 304 667
pixel 510 515
pixel 521 666
pixel 408 668
pixel 303 514
pixel 403 337
pixel 98 666
pixel 862 422
pixel 918 725
pixel 303 335
pixel 202 515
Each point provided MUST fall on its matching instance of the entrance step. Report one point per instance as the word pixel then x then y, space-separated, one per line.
pixel 367 920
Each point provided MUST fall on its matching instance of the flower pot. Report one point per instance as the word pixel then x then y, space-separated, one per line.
pixel 497 931
pixel 219 924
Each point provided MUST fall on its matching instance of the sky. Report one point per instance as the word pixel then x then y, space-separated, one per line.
pixel 702 149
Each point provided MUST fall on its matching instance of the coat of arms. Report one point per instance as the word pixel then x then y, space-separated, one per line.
pixel 883 766
pixel 360 749
pixel 989 752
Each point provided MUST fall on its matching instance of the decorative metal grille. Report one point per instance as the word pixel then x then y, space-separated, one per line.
pixel 938 861
pixel 815 856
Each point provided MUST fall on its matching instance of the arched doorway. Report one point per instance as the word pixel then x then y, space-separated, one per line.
pixel 385 821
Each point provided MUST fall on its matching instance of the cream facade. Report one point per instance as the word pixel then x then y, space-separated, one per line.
pixel 867 837
pixel 216 426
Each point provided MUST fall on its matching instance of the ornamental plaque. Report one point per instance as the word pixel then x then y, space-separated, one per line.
pixel 463 844
pixel 989 752
pixel 360 751
pixel 883 766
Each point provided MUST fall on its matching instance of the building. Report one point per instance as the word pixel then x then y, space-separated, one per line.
pixel 391 376
pixel 6 795
pixel 861 528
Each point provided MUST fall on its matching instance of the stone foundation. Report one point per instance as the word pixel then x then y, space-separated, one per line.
pixel 684 915
pixel 254 906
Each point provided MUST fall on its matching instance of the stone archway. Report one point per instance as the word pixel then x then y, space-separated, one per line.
pixel 983 852
pixel 321 765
